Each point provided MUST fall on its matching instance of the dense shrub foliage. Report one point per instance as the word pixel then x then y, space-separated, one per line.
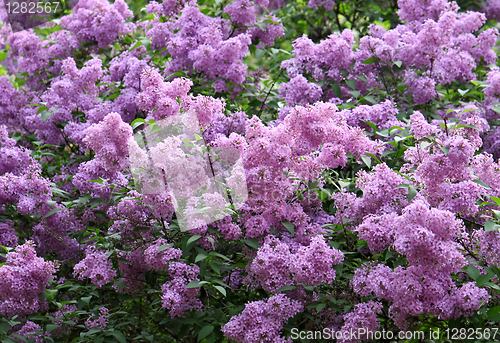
pixel 366 138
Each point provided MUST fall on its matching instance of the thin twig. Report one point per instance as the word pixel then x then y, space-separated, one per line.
pixel 264 102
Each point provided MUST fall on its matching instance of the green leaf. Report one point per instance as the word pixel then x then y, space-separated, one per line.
pixel 367 160
pixel 337 91
pixel 221 289
pixel 494 314
pixel 467 125
pixel 201 256
pixel 425 144
pixel 220 283
pixel 289 226
pixel 220 255
pixel 41 109
pixel 370 60
pixel 445 149
pixel 491 226
pixel 355 94
pixel 46 115
pixel 138 44
pixel 86 299
pixel 4 327
pixel 495 199
pixel 383 133
pixel 363 78
pixel 196 284
pixel 351 84
pixel 252 243
pixel 370 99
pixel 193 239
pixel 479 182
pixel 55 210
pixel 137 122
pixel 215 266
pixel 51 327
pixel 473 272
pixel 496 109
pixel 212 241
pixel 483 279
pixel 204 332
pixel 100 214
pixel 492 285
pixel 370 124
pixel 3 55
pixel 496 270
pixel 320 307
pixel 119 336
pixel 163 247
pixel 412 192
pixel 285 288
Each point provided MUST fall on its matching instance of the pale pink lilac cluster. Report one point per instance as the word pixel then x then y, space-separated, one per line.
pixel 63 317
pixel 445 173
pixel 418 290
pixel 437 45
pixel 98 21
pixel 21 182
pixel 74 90
pixel 279 264
pixel 8 236
pixel 100 322
pixel 129 214
pixel 383 115
pixel 157 94
pixel 493 9
pixel 273 30
pixel 159 260
pixel 95 266
pixel 11 100
pixel 53 234
pixel 425 230
pixel 214 47
pixel 262 321
pixel 492 98
pixel 132 272
pixel 364 315
pixel 293 144
pixel 22 278
pixel 326 4
pixel 32 331
pixel 176 298
pixel 108 140
pixel 125 69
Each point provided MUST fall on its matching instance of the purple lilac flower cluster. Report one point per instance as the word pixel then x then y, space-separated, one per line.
pixel 23 277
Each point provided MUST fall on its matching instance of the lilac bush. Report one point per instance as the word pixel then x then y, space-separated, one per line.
pixel 243 170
